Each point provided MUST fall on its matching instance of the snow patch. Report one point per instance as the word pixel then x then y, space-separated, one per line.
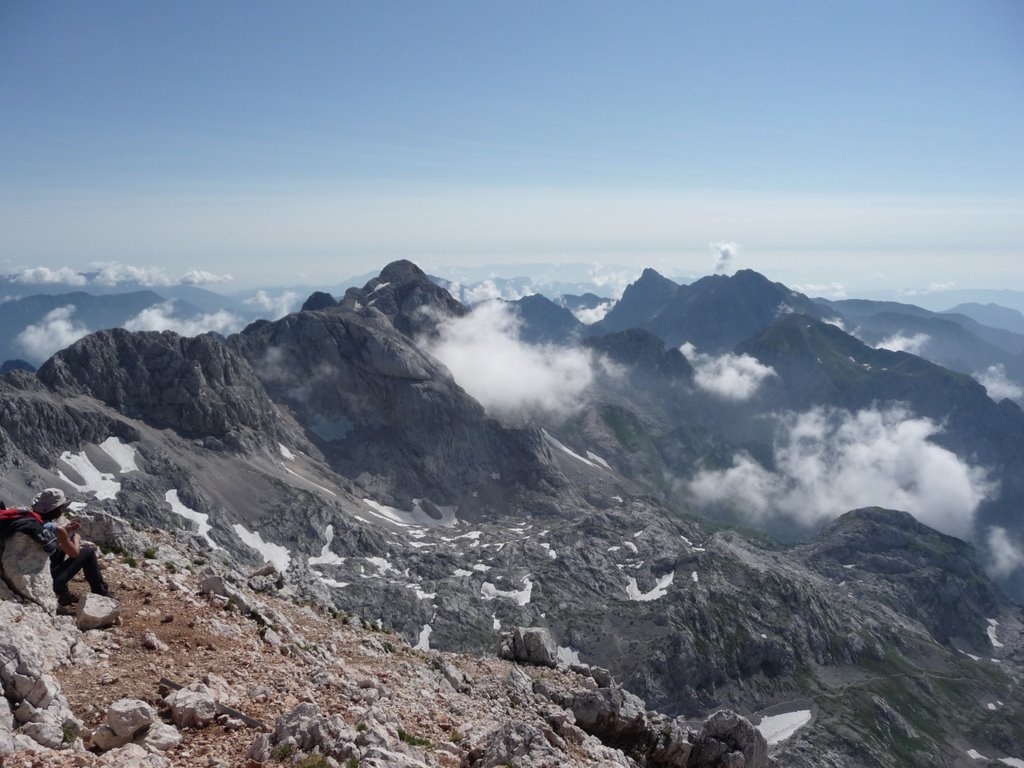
pixel 566 450
pixel 285 452
pixel 120 452
pixel 93 481
pixel 460 572
pixel 423 644
pixel 420 594
pixel 694 577
pixel 495 622
pixel 291 471
pixel 1015 762
pixel 333 583
pixel 594 457
pixel 776 728
pixel 522 597
pixel 272 553
pixel 660 589
pixel 201 520
pixel 326 557
pixel 630 546
pixel 382 564
pixel 991 629
pixel 416 517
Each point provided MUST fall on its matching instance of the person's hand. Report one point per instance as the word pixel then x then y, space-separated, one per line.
pixel 73 526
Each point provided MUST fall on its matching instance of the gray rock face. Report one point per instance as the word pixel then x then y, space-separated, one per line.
pixel 26 570
pixel 378 404
pixel 197 386
pixel 95 611
pixel 611 714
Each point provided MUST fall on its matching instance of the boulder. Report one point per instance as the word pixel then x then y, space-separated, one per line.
pixel 610 713
pixel 159 737
pixel 95 611
pixel 307 730
pixel 192 707
pixel 6 729
pixel 26 570
pixel 726 737
pixel 104 739
pixel 127 717
pixel 529 645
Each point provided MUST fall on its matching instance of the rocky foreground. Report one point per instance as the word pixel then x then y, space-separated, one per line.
pixel 266 681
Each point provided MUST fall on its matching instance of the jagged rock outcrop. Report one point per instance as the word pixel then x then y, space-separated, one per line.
pixel 197 386
pixel 318 300
pixel 410 299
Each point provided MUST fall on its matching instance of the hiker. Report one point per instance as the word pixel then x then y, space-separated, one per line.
pixel 68 554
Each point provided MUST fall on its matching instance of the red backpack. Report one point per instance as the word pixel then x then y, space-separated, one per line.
pixel 7 515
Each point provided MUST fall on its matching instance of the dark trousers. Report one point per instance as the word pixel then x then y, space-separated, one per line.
pixel 63 572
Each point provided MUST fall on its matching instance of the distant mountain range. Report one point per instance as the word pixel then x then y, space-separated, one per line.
pixel 715 491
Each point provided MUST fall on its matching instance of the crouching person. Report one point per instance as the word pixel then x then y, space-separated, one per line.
pixel 68 554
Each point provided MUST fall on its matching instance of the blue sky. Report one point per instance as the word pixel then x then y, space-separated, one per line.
pixel 864 143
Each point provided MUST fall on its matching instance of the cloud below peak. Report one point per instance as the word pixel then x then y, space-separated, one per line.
pixel 513 380
pixel 829 461
pixel 728 376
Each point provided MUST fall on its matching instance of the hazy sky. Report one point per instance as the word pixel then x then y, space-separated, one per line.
pixel 877 144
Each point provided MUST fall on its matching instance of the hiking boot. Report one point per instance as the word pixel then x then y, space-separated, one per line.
pixel 67 599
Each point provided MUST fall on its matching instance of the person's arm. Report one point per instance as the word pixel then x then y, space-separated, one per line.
pixel 70 543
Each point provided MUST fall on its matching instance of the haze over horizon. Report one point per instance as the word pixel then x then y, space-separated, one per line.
pixel 871 147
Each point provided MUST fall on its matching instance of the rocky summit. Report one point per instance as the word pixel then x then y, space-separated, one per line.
pixel 324 550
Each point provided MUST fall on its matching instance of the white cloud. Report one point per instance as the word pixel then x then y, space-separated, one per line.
pixel 827 290
pixel 838 323
pixel 54 332
pixel 999 386
pixel 40 275
pixel 829 461
pixel 202 277
pixel 115 273
pixel 616 282
pixel 594 314
pixel 159 318
pixel 511 379
pixel 275 306
pixel 949 285
pixel 725 252
pixel 901 343
pixel 1006 555
pixel 728 376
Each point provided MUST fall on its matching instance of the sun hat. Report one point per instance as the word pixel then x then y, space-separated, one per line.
pixel 48 500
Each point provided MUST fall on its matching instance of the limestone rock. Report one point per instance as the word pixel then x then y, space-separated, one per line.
pixel 95 611
pixel 133 756
pixel 517 743
pixel 104 739
pixel 26 569
pixel 723 735
pixel 192 707
pixel 159 737
pixel 530 645
pixel 126 717
pixel 306 729
pixel 610 713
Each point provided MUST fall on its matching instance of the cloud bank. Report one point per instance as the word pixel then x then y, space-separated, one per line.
pixel 112 273
pixel 901 343
pixel 275 306
pixel 160 317
pixel 54 332
pixel 511 379
pixel 593 314
pixel 998 384
pixel 829 461
pixel 728 376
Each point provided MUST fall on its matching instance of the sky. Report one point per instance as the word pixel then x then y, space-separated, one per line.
pixel 876 145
